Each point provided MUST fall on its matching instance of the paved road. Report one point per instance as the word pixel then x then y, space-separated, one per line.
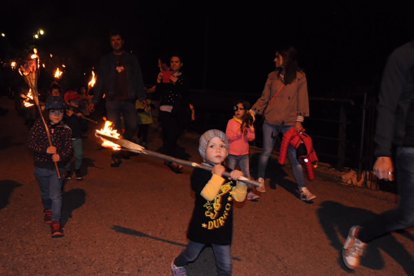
pixel 132 220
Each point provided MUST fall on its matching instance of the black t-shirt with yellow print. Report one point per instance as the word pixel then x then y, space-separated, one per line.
pixel 212 221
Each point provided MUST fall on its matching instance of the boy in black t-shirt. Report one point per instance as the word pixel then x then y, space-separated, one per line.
pixel 212 219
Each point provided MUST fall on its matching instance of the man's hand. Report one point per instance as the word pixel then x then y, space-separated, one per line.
pixel 193 116
pixel 384 168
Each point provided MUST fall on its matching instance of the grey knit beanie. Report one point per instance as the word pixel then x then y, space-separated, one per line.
pixel 207 136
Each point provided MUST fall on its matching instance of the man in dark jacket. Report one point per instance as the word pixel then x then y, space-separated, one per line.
pixel 120 79
pixel 394 136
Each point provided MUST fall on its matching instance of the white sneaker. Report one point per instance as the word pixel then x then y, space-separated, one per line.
pixel 261 188
pixel 178 270
pixel 306 195
pixel 353 249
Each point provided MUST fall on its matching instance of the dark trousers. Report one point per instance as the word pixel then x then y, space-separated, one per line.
pixel 171 131
pixel 126 110
pixel 403 216
pixel 222 253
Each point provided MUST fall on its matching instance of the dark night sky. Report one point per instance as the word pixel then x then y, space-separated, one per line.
pixel 232 48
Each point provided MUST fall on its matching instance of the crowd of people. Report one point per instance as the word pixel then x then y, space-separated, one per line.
pixel 57 146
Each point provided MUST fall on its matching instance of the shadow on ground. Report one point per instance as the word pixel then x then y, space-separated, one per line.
pixel 203 265
pixel 72 200
pixel 86 164
pixel 276 173
pixel 6 190
pixel 336 219
pixel 7 142
pixel 132 232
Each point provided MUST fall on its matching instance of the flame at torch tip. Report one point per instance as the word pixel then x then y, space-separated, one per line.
pixel 58 73
pixel 92 82
pixel 27 102
pixel 109 131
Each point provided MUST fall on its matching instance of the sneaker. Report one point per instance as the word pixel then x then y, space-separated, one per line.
pixel 78 175
pixel 47 216
pixel 177 168
pixel 126 155
pixel 68 175
pixel 261 188
pixel 56 230
pixel 115 163
pixel 306 195
pixel 353 249
pixel 178 270
pixel 252 196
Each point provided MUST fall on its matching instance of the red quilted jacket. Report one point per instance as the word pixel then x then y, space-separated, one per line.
pixel 296 139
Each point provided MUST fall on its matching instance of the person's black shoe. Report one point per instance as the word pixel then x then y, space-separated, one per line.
pixel 68 175
pixel 126 155
pixel 177 168
pixel 78 175
pixel 115 163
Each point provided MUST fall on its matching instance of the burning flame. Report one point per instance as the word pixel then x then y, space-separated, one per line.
pixel 58 73
pixel 108 130
pixel 35 57
pixel 27 102
pixel 92 82
pixel 28 68
pixel 13 65
pixel 31 65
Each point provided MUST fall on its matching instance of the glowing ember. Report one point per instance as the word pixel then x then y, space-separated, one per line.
pixel 108 130
pixel 58 73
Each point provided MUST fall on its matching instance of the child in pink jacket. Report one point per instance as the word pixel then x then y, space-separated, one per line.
pixel 240 131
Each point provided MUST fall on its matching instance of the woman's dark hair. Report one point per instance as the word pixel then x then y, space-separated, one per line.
pixel 290 63
pixel 178 55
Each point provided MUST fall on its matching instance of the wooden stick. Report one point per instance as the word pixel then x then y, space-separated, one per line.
pixel 133 147
pixel 31 80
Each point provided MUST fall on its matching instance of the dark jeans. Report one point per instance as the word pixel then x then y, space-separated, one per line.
pixel 403 216
pixel 125 109
pixel 171 131
pixel 77 154
pixel 142 135
pixel 222 254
